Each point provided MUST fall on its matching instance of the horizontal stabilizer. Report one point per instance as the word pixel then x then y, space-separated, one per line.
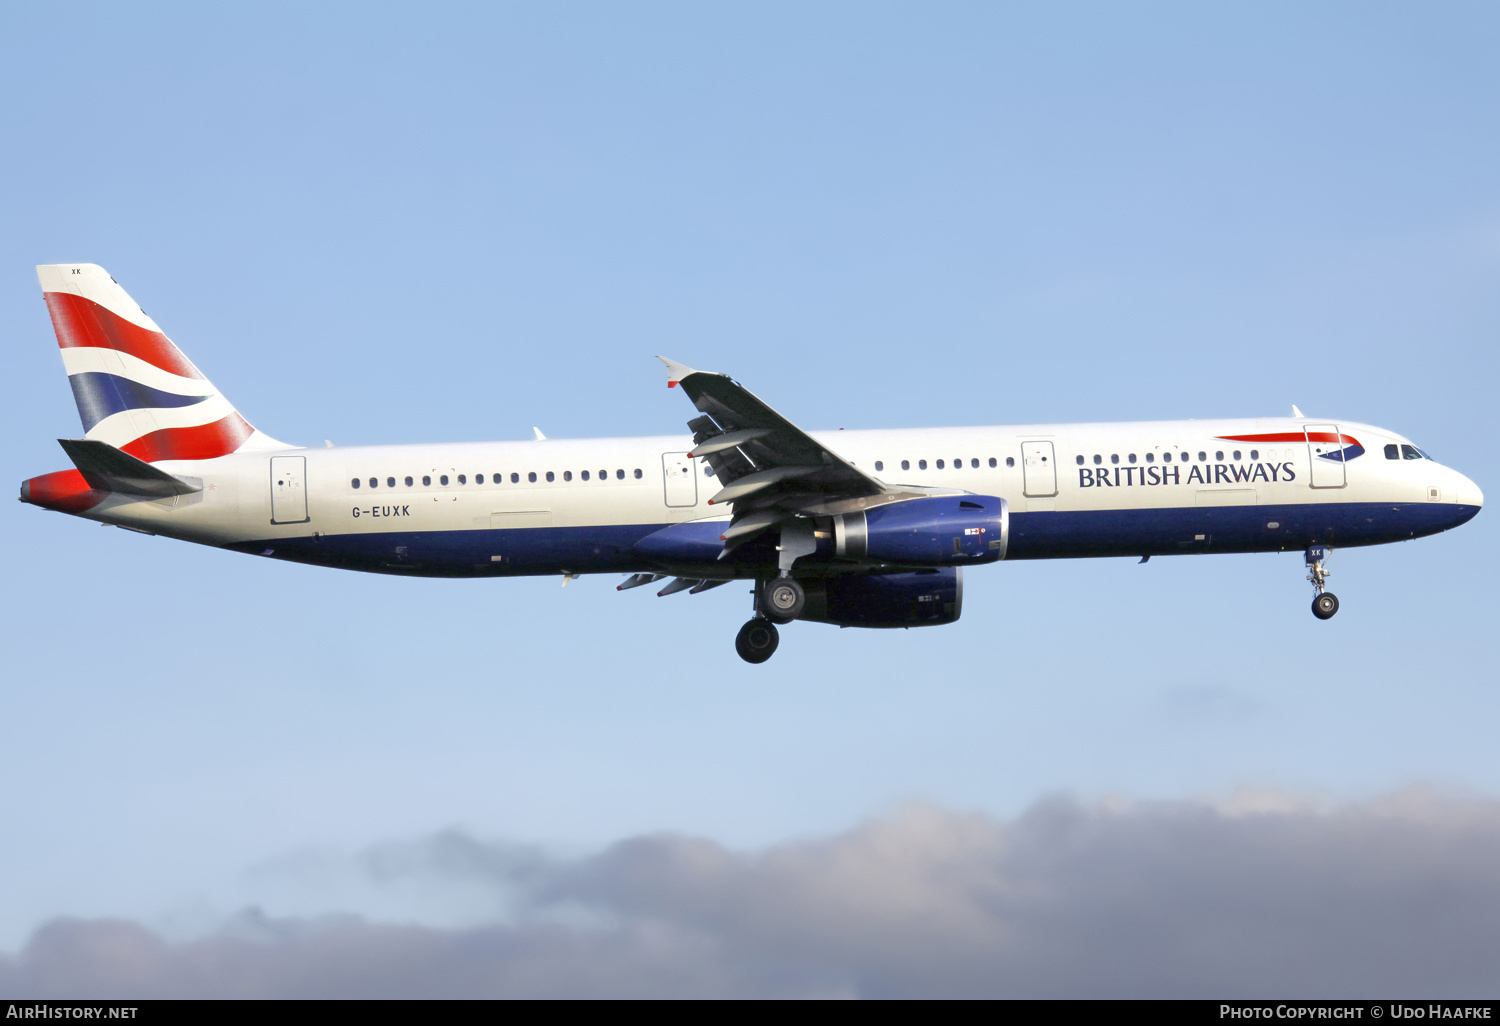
pixel 108 469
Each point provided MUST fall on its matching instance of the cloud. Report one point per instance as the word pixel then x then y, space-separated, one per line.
pixel 1260 894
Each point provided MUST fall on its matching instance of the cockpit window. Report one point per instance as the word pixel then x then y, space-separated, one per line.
pixel 1411 452
pixel 1393 451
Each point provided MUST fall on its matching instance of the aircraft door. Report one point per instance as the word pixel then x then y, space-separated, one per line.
pixel 1325 451
pixel 289 490
pixel 1039 469
pixel 681 482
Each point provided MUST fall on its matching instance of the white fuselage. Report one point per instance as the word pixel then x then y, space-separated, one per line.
pixel 576 505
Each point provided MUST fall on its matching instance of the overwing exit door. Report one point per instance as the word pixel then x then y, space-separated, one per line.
pixel 1039 469
pixel 681 482
pixel 1325 451
pixel 289 490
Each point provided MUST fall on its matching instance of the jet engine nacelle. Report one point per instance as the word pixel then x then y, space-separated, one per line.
pixel 920 598
pixel 944 530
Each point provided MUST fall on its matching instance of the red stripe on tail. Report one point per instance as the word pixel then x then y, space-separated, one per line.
pixel 205 442
pixel 82 322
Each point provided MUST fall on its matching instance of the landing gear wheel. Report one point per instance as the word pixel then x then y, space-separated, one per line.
pixel 782 600
pixel 757 640
pixel 1325 605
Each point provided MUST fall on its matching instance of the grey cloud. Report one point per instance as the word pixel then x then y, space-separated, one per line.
pixel 1258 896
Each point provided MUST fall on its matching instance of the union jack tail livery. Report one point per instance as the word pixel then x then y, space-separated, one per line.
pixel 135 390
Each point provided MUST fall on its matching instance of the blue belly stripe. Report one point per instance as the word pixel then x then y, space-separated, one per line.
pixel 1049 535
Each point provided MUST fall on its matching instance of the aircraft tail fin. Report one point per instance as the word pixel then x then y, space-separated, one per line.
pixel 136 391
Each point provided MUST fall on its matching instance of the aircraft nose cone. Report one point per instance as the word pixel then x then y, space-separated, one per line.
pixel 1468 493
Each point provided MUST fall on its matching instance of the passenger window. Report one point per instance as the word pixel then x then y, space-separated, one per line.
pixel 1132 457
pixel 1010 461
pixel 1219 457
pixel 1080 461
pixel 531 476
pixel 354 482
pixel 940 464
pixel 374 481
pixel 1236 454
pixel 426 480
pixel 620 475
pixel 1114 457
pixel 390 482
pixel 1254 454
pixel 443 480
pixel 921 464
pixel 515 478
pixel 604 475
pixel 462 479
pixel 974 464
pixel 992 462
pixel 1203 457
pixel 1409 452
pixel 584 475
pixel 1150 457
pixel 550 477
pixel 879 465
pixel 1166 457
pixel 1097 459
pixel 906 464
pixel 637 473
pixel 408 482
pixel 567 475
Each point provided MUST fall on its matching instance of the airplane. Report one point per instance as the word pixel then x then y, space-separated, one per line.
pixel 853 528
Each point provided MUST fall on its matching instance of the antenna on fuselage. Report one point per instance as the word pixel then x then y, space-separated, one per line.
pixel 1296 412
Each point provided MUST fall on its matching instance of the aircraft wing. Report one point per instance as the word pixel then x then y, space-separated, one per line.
pixel 766 466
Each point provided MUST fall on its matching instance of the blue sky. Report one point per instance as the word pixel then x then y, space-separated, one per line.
pixel 382 224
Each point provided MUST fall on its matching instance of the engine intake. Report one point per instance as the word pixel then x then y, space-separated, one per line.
pixel 945 530
pixel 920 598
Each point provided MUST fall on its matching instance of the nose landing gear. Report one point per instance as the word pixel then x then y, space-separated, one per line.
pixel 1325 603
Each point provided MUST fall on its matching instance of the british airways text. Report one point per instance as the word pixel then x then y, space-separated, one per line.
pixel 1210 474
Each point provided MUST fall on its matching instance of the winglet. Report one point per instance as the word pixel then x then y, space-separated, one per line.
pixel 675 371
pixel 1296 412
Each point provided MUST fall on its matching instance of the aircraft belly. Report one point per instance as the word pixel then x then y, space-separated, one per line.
pixel 1261 527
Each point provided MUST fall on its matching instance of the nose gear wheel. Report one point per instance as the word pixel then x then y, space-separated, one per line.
pixel 1325 603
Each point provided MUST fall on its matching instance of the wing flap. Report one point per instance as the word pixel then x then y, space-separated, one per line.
pixel 758 455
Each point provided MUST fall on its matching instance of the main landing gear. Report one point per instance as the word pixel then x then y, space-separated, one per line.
pixel 779 600
pixel 757 640
pixel 1324 603
pixel 782 599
